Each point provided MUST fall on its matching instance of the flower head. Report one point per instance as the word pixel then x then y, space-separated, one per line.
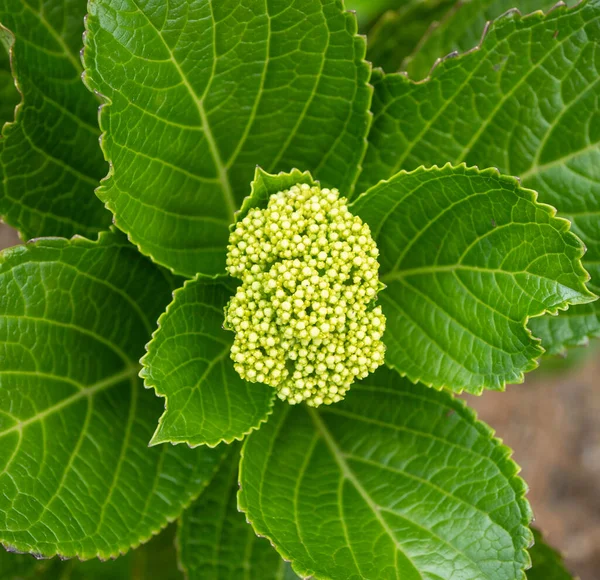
pixel 305 316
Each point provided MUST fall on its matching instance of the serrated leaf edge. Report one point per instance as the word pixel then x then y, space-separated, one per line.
pixel 505 463
pixel 106 238
pixel 502 20
pixel 149 383
pixel 259 172
pixel 360 52
pixel 564 228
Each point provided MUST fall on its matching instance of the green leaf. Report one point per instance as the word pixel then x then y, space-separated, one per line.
pixel 265 185
pixel 215 541
pixel 9 96
pixel 458 29
pixel 396 481
pixel 526 102
pixel 199 92
pixel 547 563
pixel 468 256
pixel 188 363
pixel 156 559
pixel 76 474
pixel 50 161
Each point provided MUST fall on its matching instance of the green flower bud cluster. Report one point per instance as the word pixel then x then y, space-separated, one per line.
pixel 305 316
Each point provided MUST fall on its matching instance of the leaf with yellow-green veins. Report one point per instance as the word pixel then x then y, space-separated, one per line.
pixel 188 362
pixel 527 102
pixel 50 160
pixel 468 256
pixel 458 29
pixel 76 474
pixel 216 543
pixel 396 481
pixel 200 92
pixel 156 559
pixel 546 562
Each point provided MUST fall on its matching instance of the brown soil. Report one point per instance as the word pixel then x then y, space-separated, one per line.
pixel 553 424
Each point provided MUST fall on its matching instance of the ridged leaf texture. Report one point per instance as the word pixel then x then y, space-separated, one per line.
pixel 467 257
pixel 396 481
pixel 526 102
pixel 188 363
pixel 199 92
pixel 216 543
pixel 50 160
pixel 76 474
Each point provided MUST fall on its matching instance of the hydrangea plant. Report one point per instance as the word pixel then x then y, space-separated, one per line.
pixel 263 290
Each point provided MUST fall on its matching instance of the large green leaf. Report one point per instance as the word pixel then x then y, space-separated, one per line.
pixel 526 102
pixel 76 474
pixel 396 481
pixel 188 363
pixel 156 559
pixel 468 256
pixel 9 96
pixel 547 563
pixel 199 92
pixel 215 541
pixel 50 161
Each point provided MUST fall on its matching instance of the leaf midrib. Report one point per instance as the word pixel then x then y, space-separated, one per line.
pixel 199 103
pixel 348 474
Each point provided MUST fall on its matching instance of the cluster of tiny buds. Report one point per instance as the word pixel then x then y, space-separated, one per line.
pixel 305 317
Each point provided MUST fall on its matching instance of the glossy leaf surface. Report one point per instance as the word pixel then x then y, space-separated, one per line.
pixel 396 481
pixel 201 92
pixel 188 363
pixel 526 102
pixel 468 256
pixel 76 474
pixel 50 160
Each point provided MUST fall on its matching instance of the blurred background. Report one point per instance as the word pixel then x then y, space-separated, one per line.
pixel 552 423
